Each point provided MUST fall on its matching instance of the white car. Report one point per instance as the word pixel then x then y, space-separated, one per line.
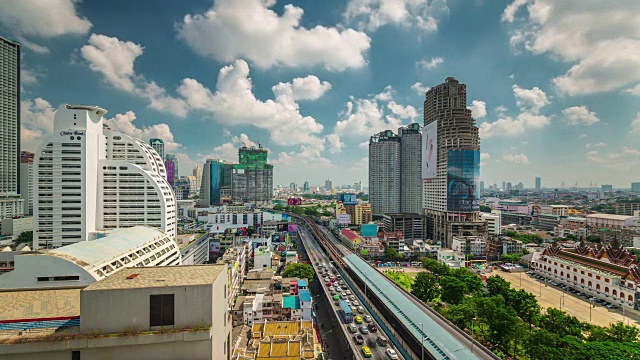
pixel 392 353
pixel 348 292
pixel 367 318
pixel 355 303
pixel 332 289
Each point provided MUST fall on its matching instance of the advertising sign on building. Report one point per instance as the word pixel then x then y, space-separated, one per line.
pixel 293 228
pixel 430 151
pixel 348 199
pixel 344 219
pixel 282 227
pixel 463 172
pixel 294 201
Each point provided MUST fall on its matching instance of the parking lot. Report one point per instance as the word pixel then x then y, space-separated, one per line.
pixel 549 295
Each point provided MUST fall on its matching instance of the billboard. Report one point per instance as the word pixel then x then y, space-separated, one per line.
pixel 293 228
pixel 430 150
pixel 282 227
pixel 294 201
pixel 369 230
pixel 463 173
pixel 348 199
pixel 343 219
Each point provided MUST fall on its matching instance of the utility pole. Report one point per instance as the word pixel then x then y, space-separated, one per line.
pixel 472 339
pixel 422 343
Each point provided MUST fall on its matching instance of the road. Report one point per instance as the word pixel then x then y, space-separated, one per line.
pixel 550 296
pixel 317 256
pixel 453 331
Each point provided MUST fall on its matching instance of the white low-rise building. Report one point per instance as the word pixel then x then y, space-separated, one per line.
pixel 17 226
pixel 194 248
pixel 609 273
pixel 86 262
pixel 454 259
pixel 471 245
pixel 494 224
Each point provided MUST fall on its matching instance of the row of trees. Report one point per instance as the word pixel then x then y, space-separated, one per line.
pixel 511 321
pixel 525 238
pixel 299 270
pixel 304 210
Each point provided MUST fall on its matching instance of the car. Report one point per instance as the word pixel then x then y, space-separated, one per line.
pixel 352 297
pixel 344 287
pixel 366 351
pixel 360 309
pixel 364 330
pixel 348 302
pixel 391 353
pixel 341 282
pixel 367 318
pixel 358 339
pixel 372 328
pixel 352 328
pixel 348 292
pixel 382 341
pixel 355 302
pixel 358 319
pixel 329 284
pixel 371 343
pixel 333 280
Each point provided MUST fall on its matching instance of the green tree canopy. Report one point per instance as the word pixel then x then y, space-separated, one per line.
pixel 25 237
pixel 299 270
pixel 435 267
pixel 496 285
pixel 426 287
pixel 453 290
pixel 392 254
pixel 473 282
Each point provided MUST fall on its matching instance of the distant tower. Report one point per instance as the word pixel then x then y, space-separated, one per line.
pixel 538 183
pixel 384 173
pixel 158 146
pixel 410 169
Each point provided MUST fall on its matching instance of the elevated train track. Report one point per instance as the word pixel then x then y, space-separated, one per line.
pixel 398 321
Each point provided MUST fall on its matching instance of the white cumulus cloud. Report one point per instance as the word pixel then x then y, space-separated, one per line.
pixel 635 124
pixel 124 123
pixel 580 115
pixel 478 109
pixel 44 19
pixel 430 64
pixel 516 158
pixel 420 88
pixel 250 29
pixel 372 14
pixel 530 99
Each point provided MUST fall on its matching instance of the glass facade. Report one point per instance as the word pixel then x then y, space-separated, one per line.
pixel 215 183
pixel 463 173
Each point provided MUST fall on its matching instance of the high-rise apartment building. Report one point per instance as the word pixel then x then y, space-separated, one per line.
pixel 306 186
pixel 635 187
pixel 89 178
pixel 252 178
pixel 197 172
pixel 211 183
pixel 26 181
pixel 481 185
pixel 607 187
pixel 451 203
pixel 410 169
pixel 170 165
pixel 384 173
pixel 158 146
pixel 328 185
pixel 538 183
pixel 176 164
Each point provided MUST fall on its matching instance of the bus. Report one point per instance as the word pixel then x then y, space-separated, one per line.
pixel 345 312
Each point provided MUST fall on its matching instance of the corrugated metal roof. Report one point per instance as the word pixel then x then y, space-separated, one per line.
pixel 437 340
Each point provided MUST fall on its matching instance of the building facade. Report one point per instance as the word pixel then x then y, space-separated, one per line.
pixel 384 173
pixel 158 146
pixel 252 178
pixel 626 207
pixel 90 179
pixel 450 197
pixel 410 169
pixel 538 183
pixel 26 181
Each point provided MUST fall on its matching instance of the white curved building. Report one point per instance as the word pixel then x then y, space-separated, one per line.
pixel 90 179
pixel 83 263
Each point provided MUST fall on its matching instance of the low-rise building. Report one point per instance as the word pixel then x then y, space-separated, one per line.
pixel 494 225
pixel 83 263
pixel 609 221
pixel 454 259
pixel 281 340
pixel 262 257
pixel 394 240
pixel 194 248
pixel 350 237
pixel 409 224
pixel 144 313
pixel 469 245
pixel 548 221
pixel 15 226
pixel 511 246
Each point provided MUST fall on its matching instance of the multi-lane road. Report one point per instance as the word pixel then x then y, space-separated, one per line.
pixel 318 259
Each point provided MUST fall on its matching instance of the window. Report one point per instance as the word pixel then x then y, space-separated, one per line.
pixel 161 310
pixel 59 278
pixel 75 355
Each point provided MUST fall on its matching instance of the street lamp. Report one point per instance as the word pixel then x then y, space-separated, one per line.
pixel 591 306
pixel 472 339
pixel 422 343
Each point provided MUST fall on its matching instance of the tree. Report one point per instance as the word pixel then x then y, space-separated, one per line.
pixel 278 207
pixel 250 230
pixel 511 258
pixel 485 208
pixel 460 315
pixel 392 254
pixel 426 287
pixel 403 280
pixel 453 290
pixel 473 282
pixel 25 237
pixel 542 344
pixel 435 267
pixel 622 333
pixel 561 323
pixel 525 304
pixel 496 285
pixel 299 270
pixel 500 320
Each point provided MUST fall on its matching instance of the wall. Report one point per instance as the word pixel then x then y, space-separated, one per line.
pixel 29 267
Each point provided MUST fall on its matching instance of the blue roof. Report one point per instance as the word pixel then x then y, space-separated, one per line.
pixel 345 307
pixel 305 295
pixel 302 283
pixel 291 302
pixel 437 339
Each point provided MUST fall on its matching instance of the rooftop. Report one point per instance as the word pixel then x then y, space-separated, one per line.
pixel 610 216
pixel 280 328
pixel 352 236
pixel 291 302
pixel 305 295
pixel 302 283
pixel 159 276
pixel 34 304
pixel 116 243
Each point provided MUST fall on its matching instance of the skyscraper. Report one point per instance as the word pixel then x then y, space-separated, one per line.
pixel 305 186
pixel 197 172
pixel 176 164
pixel 158 146
pixel 86 181
pixel 635 187
pixel 252 178
pixel 481 185
pixel 328 185
pixel 26 181
pixel 170 167
pixel 410 169
pixel 384 173
pixel 211 183
pixel 538 183
pixel 451 204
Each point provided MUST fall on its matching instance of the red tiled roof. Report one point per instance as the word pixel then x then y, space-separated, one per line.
pixel 350 235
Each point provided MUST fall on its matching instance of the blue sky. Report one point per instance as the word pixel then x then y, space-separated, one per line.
pixel 554 86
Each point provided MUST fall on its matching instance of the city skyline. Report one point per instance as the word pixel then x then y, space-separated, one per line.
pixel 532 81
